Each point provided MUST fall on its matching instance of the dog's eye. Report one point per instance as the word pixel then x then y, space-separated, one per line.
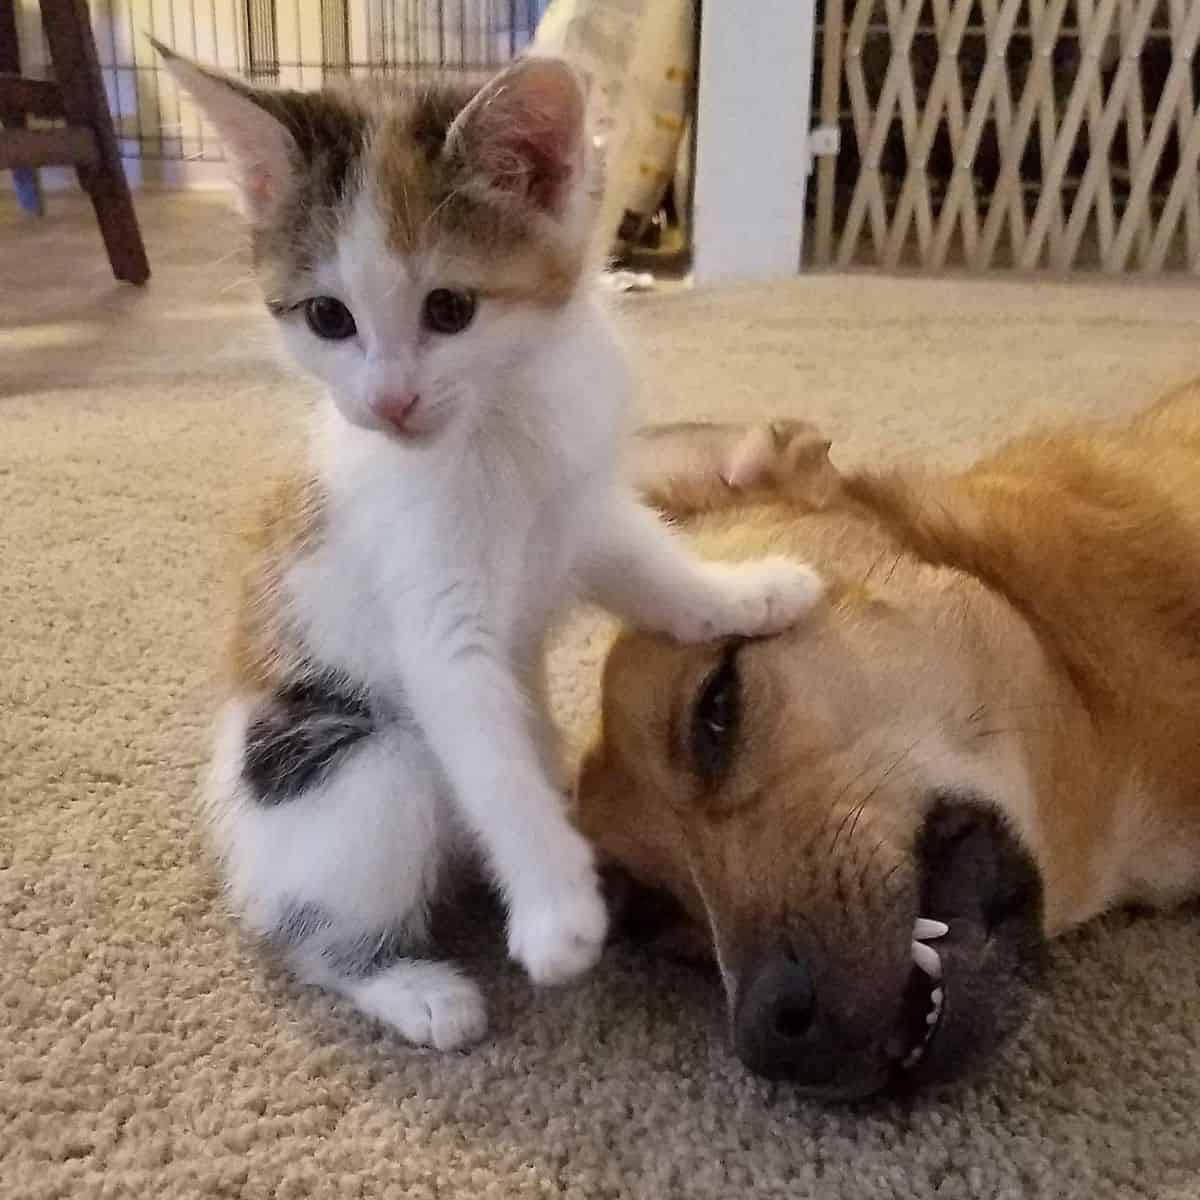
pixel 715 718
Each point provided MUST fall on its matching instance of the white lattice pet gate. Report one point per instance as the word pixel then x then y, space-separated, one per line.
pixel 1019 133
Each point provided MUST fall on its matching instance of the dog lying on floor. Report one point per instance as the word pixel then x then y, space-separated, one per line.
pixel 987 734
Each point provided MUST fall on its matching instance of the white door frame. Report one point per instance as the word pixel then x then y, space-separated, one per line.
pixel 752 134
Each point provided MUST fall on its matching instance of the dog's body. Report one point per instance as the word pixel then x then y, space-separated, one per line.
pixel 993 725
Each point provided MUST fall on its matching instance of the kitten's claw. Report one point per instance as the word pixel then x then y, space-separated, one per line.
pixel 751 599
pixel 560 934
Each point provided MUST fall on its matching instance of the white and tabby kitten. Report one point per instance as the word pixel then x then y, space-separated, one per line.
pixel 425 253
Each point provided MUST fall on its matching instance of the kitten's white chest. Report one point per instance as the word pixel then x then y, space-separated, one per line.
pixel 478 529
pixel 489 542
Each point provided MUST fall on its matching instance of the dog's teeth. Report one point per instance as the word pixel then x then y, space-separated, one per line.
pixel 913 1057
pixel 934 1015
pixel 926 957
pixel 925 929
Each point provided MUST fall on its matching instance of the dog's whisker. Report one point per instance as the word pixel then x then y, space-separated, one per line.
pixel 1013 729
pixel 887 879
pixel 709 912
pixel 896 763
pixel 888 577
pixel 866 870
pixel 873 567
pixel 849 813
pixel 853 814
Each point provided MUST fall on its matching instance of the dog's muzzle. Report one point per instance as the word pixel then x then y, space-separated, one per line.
pixel 976 954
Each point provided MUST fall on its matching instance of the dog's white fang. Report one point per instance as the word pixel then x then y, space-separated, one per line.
pixel 925 929
pixel 926 957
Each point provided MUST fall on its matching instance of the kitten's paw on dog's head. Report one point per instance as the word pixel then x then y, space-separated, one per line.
pixel 751 599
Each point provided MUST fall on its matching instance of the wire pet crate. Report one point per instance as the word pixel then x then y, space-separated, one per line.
pixel 290 43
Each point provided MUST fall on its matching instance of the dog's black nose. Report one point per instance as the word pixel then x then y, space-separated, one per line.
pixel 776 1009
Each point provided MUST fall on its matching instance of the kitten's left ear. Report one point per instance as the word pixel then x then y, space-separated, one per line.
pixel 523 134
pixel 262 152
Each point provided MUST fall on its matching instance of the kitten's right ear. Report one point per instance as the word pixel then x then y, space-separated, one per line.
pixel 262 152
pixel 522 136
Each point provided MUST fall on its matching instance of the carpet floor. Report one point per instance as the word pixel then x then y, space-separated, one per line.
pixel 146 1052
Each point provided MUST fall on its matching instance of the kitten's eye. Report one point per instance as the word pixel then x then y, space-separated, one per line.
pixel 329 318
pixel 715 718
pixel 448 310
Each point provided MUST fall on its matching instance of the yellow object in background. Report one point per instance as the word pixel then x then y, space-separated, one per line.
pixel 637 58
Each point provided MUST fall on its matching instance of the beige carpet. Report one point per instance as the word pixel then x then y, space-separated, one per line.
pixel 144 1052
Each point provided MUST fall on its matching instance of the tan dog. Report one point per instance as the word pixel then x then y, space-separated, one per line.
pixel 988 734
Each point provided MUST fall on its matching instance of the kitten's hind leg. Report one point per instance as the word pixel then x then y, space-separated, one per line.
pixel 334 835
pixel 430 1003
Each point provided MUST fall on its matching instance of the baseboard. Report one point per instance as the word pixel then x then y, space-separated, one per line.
pixel 151 172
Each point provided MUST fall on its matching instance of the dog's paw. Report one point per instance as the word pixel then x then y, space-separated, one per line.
pixel 558 933
pixel 750 599
pixel 427 1003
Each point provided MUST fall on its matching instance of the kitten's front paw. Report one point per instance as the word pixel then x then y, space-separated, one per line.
pixel 559 933
pixel 751 599
pixel 429 1004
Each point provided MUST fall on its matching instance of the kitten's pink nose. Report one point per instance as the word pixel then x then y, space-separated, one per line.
pixel 395 407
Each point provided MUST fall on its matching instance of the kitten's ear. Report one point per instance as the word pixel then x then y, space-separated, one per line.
pixel 523 133
pixel 262 152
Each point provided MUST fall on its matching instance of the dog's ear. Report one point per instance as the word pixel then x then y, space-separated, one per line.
pixel 695 467
pixel 788 456
pixel 676 468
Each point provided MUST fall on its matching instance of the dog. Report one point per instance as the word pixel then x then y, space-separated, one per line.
pixel 987 733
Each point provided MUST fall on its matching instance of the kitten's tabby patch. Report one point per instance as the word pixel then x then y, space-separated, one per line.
pixel 262 650
pixel 300 734
pixel 367 134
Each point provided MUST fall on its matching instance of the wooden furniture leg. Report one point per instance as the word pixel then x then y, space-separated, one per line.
pixel 77 71
pixel 88 142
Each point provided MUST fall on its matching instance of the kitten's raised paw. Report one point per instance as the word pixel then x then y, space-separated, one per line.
pixel 560 935
pixel 751 599
pixel 429 1004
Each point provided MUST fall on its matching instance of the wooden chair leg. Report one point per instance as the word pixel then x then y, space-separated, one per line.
pixel 77 70
pixel 28 185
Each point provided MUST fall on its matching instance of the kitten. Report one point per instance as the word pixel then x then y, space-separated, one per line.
pixel 425 254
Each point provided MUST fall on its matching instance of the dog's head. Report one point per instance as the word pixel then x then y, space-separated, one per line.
pixel 843 810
